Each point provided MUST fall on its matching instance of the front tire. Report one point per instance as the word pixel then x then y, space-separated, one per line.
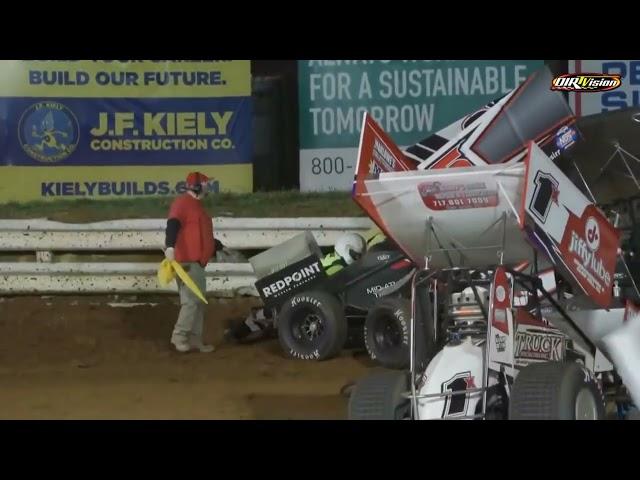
pixel 312 326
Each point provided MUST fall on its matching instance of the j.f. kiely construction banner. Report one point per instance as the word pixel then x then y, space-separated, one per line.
pixel 109 129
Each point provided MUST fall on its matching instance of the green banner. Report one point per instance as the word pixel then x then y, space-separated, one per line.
pixel 409 98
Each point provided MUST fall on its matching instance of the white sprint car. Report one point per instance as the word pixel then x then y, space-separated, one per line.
pixel 519 306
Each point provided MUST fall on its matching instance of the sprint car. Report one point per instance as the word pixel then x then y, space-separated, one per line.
pixel 523 304
pixel 316 316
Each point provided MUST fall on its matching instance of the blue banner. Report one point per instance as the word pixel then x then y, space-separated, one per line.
pixel 75 132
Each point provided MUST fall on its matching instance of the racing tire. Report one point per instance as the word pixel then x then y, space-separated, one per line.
pixel 556 391
pixel 312 326
pixel 380 396
pixel 386 333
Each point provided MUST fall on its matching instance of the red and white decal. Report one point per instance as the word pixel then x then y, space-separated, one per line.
pixel 589 247
pixel 377 154
pixel 501 301
pixel 537 341
pixel 582 242
pixel 439 196
pixel 501 322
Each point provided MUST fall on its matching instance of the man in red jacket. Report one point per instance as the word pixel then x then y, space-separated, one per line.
pixel 189 240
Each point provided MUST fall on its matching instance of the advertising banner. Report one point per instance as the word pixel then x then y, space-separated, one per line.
pixel 105 129
pixel 410 99
pixel 625 96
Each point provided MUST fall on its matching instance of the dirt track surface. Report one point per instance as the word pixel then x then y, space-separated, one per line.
pixel 78 358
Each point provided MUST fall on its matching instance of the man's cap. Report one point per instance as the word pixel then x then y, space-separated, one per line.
pixel 196 178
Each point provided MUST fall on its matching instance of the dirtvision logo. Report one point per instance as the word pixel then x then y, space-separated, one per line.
pixel 586 82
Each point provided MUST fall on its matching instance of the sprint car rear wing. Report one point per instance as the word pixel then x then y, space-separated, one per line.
pixel 500 131
pixel 485 215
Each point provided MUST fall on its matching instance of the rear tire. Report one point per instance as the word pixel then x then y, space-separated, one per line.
pixel 555 391
pixel 312 326
pixel 380 397
pixel 386 332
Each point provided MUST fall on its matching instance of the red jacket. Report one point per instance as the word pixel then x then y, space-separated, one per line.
pixel 195 238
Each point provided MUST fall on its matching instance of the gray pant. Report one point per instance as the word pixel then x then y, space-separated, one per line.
pixel 191 318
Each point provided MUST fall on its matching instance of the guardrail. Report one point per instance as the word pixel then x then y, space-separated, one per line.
pixel 45 237
pixel 223 279
pixel 140 235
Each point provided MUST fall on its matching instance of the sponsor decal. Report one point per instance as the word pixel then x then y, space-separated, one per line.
pixel 565 138
pixel 383 156
pixel 292 280
pixel 538 345
pixel 568 227
pixel 438 196
pixel 589 248
pixel 296 300
pixel 376 288
pixel 501 303
pixel 311 356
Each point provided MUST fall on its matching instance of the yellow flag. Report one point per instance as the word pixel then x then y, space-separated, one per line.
pixel 167 272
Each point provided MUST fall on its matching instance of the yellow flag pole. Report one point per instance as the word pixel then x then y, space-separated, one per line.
pixel 184 276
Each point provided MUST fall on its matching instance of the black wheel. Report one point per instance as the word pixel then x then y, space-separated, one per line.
pixel 386 332
pixel 556 391
pixel 380 396
pixel 312 326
